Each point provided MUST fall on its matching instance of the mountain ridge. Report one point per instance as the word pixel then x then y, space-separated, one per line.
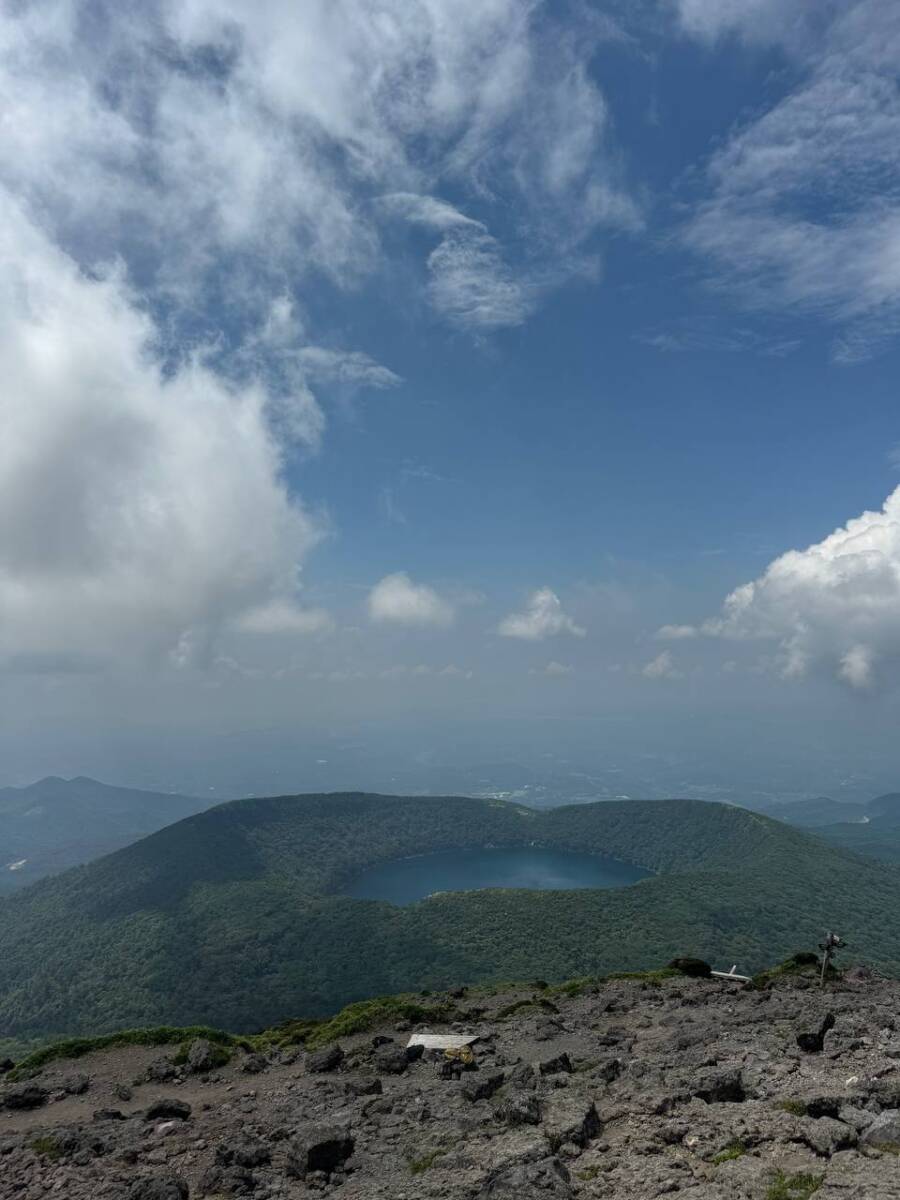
pixel 235 916
pixel 56 823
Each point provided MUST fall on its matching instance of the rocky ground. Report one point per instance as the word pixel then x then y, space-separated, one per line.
pixel 687 1087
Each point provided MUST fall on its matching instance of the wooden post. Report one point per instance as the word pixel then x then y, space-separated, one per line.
pixel 828 947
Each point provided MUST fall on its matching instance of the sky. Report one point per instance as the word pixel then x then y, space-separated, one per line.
pixel 450 380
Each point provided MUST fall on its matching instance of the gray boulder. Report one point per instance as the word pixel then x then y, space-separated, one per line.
pixel 482 1086
pixel 249 1152
pixel 168 1110
pixel 322 1148
pixel 159 1187
pixel 391 1060
pixel 554 1066
pixel 720 1087
pixel 203 1056
pixel 570 1119
pixel 27 1095
pixel 160 1070
pixel 522 1108
pixel 884 1132
pixel 75 1085
pixel 324 1060
pixel 545 1178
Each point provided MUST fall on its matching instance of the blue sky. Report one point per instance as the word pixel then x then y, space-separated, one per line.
pixel 415 362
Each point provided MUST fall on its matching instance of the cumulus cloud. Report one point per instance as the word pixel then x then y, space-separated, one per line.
pixel 803 204
pixel 141 510
pixel 833 606
pixel 661 667
pixel 543 617
pixel 676 633
pixel 395 599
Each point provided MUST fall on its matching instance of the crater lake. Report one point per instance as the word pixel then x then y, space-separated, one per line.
pixel 405 880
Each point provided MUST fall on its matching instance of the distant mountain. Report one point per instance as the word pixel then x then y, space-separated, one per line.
pixel 885 810
pixel 872 829
pixel 238 916
pixel 59 823
pixel 809 814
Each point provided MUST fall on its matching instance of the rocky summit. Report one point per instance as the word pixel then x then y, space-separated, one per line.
pixel 626 1088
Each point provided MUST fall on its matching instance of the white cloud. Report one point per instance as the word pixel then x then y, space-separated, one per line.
pixel 396 599
pixel 834 605
pixel 222 150
pixel 141 510
pixel 284 616
pixel 804 202
pixel 452 671
pixel 349 367
pixel 788 21
pixel 543 617
pixel 676 633
pixel 469 283
pixel 176 196
pixel 661 667
pixel 553 669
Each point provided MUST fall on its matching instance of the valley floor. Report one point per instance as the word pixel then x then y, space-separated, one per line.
pixel 628 1090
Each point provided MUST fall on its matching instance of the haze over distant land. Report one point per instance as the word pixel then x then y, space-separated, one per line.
pixel 451 395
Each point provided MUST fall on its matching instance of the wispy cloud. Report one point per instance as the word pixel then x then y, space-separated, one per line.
pixel 803 209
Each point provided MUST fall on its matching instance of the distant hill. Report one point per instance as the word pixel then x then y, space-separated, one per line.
pixel 872 829
pixel 821 810
pixel 236 916
pixel 59 823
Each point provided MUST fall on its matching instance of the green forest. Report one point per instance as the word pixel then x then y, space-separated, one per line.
pixel 235 917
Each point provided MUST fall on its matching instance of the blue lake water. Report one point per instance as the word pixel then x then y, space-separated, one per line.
pixel 408 879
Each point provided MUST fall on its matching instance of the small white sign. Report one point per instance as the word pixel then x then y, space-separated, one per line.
pixel 442 1041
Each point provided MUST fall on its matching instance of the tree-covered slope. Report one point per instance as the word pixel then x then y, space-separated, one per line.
pixel 235 916
pixel 57 823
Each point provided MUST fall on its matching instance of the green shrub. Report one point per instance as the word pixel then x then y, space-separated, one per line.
pixel 694 967
pixel 794 1187
pixel 46 1146
pixel 417 1166
pixel 796 1107
pixel 735 1149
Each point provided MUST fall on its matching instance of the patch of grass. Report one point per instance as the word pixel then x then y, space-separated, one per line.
pixel 45 1146
pixel 574 987
pixel 356 1018
pixel 654 978
pixel 735 1149
pixel 794 1187
pixel 795 1107
pixel 160 1035
pixel 417 1166
pixel 539 1002
pixel 804 963
pixel 588 1173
